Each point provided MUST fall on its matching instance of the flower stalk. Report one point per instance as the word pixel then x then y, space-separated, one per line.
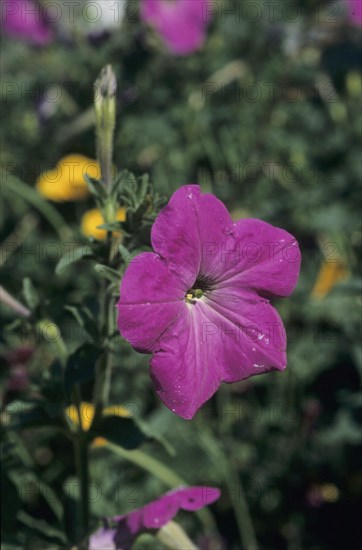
pixel 105 110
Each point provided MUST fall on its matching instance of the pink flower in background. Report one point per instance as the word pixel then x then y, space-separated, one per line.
pixel 181 23
pixel 16 371
pixel 355 11
pixel 124 529
pixel 23 19
pixel 200 304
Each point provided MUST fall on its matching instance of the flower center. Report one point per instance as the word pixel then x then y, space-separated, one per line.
pixel 194 293
pixel 197 291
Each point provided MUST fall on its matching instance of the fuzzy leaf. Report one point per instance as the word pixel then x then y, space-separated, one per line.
pixel 108 273
pixel 96 189
pixel 83 252
pixel 124 432
pixel 30 294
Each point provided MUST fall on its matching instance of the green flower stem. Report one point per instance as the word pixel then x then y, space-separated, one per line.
pixel 108 367
pixel 232 480
pixel 105 114
pixel 104 370
pixel 241 509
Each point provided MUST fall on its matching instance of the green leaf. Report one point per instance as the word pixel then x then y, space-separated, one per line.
pixel 145 186
pixel 28 483
pixel 97 189
pixel 30 294
pixel 8 516
pixel 343 431
pixel 30 195
pixel 146 541
pixel 25 415
pixel 113 226
pixel 41 526
pixel 153 433
pixel 173 536
pixel 124 179
pixel 9 543
pixel 85 320
pixel 126 255
pixel 108 273
pixel 74 256
pixel 121 431
pixel 81 366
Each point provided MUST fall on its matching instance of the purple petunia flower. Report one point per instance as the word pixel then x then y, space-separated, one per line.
pixel 23 19
pixel 155 515
pixel 180 23
pixel 355 11
pixel 200 302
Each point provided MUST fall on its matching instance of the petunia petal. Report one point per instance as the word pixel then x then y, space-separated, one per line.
pixel 158 513
pixel 151 297
pixel 252 335
pixel 188 232
pixel 180 23
pixel 263 257
pixel 224 338
pixel 195 498
pixel 23 19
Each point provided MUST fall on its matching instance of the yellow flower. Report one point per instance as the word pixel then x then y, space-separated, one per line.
pixel 330 274
pixel 66 181
pixel 87 412
pixel 93 218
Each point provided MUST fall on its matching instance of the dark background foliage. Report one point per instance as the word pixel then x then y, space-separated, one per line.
pixel 267 115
